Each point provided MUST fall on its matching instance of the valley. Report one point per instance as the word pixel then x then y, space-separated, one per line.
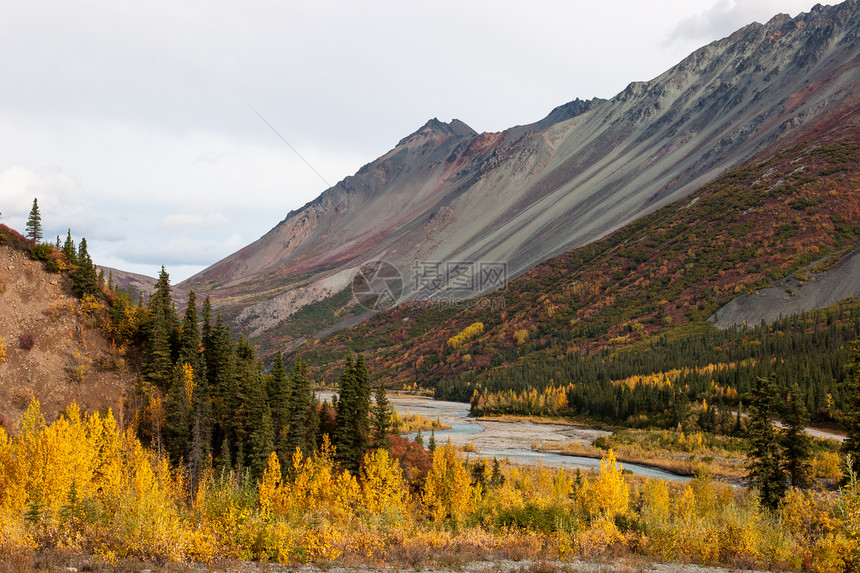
pixel 629 332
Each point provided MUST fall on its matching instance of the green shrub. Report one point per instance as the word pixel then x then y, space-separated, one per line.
pixel 41 252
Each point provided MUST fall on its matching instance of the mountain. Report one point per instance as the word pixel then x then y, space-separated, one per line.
pixel 780 233
pixel 447 195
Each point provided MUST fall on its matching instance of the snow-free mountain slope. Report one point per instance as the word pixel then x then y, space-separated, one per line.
pixel 446 193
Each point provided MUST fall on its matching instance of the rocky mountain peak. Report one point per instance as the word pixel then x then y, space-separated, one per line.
pixel 435 129
pixel 567 111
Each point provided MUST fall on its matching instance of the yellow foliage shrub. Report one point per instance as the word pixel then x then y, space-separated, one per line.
pixel 382 484
pixel 468 333
pixel 2 350
pixel 608 495
pixel 82 484
pixel 448 492
pixel 520 336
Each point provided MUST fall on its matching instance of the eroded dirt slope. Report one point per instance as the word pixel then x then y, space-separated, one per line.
pixel 70 359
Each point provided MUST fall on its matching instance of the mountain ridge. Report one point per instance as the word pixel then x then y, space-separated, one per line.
pixel 531 192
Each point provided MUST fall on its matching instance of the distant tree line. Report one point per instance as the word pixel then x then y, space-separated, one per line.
pixel 812 350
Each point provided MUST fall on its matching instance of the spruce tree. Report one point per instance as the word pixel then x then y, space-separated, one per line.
pixel 381 418
pixel 69 250
pixel 34 223
pixel 260 442
pixel 301 401
pixel 851 410
pixel 177 409
pixel 279 402
pixel 326 425
pixel 189 338
pixel 221 367
pixel 765 467
pixel 160 331
pixel 201 402
pixel 797 444
pixel 84 278
pixel 346 440
pixel 363 392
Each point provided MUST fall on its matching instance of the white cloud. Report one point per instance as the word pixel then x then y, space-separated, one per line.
pixel 184 220
pixel 725 16
pixel 180 251
pixel 61 201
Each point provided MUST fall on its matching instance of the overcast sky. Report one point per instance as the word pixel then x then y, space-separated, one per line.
pixel 135 123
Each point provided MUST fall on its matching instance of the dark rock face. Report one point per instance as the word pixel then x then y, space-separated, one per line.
pixel 446 193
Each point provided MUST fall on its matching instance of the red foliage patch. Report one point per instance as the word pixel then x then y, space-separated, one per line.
pixel 26 341
pixel 414 460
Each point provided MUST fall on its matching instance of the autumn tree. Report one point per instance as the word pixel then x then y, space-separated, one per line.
pixel 448 492
pixel 34 223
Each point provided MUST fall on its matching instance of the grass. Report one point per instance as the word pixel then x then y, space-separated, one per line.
pixel 533 419
pixel 410 423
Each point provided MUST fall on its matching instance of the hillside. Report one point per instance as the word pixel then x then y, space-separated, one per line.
pixel 446 194
pixel 792 208
pixel 68 359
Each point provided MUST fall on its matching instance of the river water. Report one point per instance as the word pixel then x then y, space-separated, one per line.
pixel 510 441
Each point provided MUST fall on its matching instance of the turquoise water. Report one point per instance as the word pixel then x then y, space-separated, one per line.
pixel 465 429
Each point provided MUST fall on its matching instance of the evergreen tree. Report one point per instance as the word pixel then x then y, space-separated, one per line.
pixel 69 250
pixel 207 319
pixel 497 478
pixel 381 418
pixel 431 445
pixel 160 331
pixel 301 401
pixel 363 393
pixel 177 409
pixel 221 367
pixel 851 410
pixel 252 419
pixel 189 337
pixel 34 223
pixel 279 403
pixel 84 278
pixel 326 425
pixel 765 469
pixel 351 437
pixel 201 400
pixel 797 444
